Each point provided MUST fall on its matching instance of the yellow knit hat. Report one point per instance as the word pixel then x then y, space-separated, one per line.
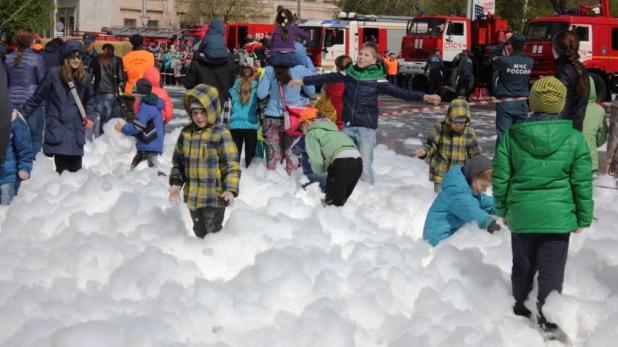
pixel 547 96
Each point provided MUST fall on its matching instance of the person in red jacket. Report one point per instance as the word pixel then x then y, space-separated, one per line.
pixel 335 90
pixel 153 76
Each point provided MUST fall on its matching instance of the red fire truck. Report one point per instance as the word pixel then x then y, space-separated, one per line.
pixel 332 38
pixel 235 33
pixel 451 35
pixel 598 44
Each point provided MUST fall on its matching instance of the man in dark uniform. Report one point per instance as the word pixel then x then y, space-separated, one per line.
pixel 91 52
pixel 465 70
pixel 514 73
pixel 435 65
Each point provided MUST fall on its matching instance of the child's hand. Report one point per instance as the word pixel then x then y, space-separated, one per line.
pixel 609 169
pixel 89 124
pixel 295 83
pixel 432 99
pixel 579 230
pixel 118 127
pixel 228 197
pixel 174 194
pixel 504 221
pixel 421 153
pixel 23 175
pixel 493 227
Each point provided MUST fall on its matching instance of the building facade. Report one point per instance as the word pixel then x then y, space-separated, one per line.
pixel 92 15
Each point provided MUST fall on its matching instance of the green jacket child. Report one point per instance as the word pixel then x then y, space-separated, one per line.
pixel 333 152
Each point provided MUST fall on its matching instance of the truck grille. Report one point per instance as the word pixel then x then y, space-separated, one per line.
pixel 418 55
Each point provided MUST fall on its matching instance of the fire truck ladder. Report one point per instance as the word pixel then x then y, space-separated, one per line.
pixel 374 18
pixel 145 32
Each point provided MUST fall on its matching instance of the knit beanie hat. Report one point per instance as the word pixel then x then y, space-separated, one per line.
pixel 143 87
pixel 475 166
pixel 195 103
pixel 547 96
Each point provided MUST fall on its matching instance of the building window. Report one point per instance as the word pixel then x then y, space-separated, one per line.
pixel 130 22
pixel 153 23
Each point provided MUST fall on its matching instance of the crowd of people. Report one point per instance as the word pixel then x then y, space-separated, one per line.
pixel 541 174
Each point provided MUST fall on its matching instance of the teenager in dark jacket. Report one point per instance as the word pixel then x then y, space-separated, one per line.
pixel 109 80
pixel 25 71
pixel 363 84
pixel 64 126
pixel 51 54
pixel 574 75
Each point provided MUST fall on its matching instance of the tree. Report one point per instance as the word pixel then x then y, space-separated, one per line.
pixel 30 14
pixel 202 11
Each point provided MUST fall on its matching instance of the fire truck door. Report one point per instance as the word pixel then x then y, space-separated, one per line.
pixel 333 46
pixel 584 34
pixel 455 40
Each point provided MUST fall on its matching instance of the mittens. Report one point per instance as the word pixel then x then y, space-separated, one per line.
pixel 493 227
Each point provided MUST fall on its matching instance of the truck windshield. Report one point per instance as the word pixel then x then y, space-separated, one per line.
pixel 426 26
pixel 544 31
pixel 315 36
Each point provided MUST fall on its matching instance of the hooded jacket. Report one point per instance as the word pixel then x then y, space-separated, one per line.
pixel 244 116
pixel 64 130
pixel 455 206
pixel 150 110
pixel 25 76
pixel 205 159
pixel 51 54
pixel 363 87
pixel 542 177
pixel 448 148
pixel 595 126
pixel 153 76
pixel 19 155
pixel 323 143
pixel 213 43
pixel 575 106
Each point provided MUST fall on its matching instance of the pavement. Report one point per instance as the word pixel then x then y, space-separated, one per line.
pixel 403 133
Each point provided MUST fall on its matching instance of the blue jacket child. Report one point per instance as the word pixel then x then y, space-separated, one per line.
pixel 19 158
pixel 213 44
pixel 462 201
pixel 150 113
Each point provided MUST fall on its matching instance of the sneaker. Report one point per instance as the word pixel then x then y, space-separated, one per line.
pixel 522 311
pixel 550 330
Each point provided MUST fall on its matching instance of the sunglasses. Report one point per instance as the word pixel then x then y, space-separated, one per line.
pixel 75 56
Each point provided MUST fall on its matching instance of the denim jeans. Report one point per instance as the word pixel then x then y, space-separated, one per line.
pixel 36 123
pixel 365 140
pixel 7 193
pixel 105 107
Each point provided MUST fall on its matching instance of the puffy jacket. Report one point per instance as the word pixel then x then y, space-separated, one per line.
pixel 213 43
pixel 150 109
pixel 244 116
pixel 5 114
pixel 323 143
pixel 107 81
pixel 51 54
pixel 455 206
pixel 269 84
pixel 153 76
pixel 25 76
pixel 575 105
pixel 221 75
pixel 448 148
pixel 19 154
pixel 595 126
pixel 64 130
pixel 542 177
pixel 135 63
pixel 363 87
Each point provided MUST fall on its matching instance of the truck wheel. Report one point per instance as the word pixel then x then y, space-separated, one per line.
pixel 455 77
pixel 600 86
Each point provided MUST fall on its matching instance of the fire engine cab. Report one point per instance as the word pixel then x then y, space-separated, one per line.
pixel 332 38
pixel 451 35
pixel 235 33
pixel 598 44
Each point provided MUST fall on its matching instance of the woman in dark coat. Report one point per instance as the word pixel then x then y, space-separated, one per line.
pixel 64 125
pixel 574 75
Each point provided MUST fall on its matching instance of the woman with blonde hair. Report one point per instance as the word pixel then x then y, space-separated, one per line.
pixel 244 119
pixel 66 91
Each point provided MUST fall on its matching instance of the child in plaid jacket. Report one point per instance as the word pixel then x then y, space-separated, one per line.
pixel 450 142
pixel 205 162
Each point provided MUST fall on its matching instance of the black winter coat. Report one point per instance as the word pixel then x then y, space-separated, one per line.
pixel 575 105
pixel 219 74
pixel 107 82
